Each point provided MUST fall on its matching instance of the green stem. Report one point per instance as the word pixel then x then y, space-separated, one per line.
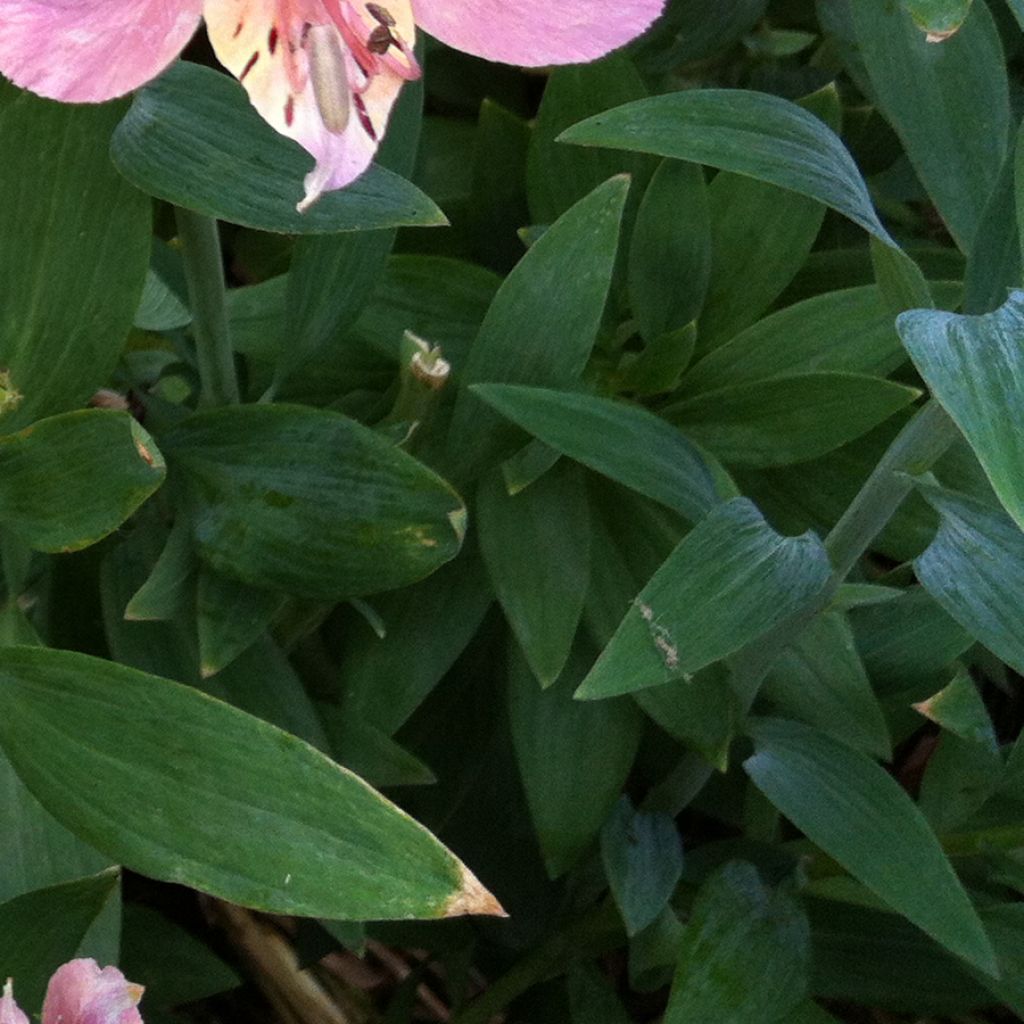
pixel 204 272
pixel 915 450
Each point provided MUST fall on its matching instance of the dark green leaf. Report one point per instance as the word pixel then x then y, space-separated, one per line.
pixel 861 817
pixel 974 568
pixel 310 502
pixel 541 326
pixel 73 262
pixel 536 546
pixel 192 138
pixel 41 930
pixel 932 95
pixel 745 955
pixel 223 802
pixel 670 253
pixel 729 581
pixel 788 419
pixel 649 455
pixel 68 481
pixel 643 860
pixel 949 349
pixel 751 133
pixel 573 758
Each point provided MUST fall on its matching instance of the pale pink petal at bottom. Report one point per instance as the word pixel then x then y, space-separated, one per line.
pixel 87 51
pixel 532 33
pixel 81 993
pixel 9 1012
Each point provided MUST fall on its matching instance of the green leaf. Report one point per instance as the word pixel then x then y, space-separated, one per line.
pixel 41 930
pixel 224 803
pixel 643 859
pixel 384 680
pixel 931 95
pixel 369 752
pixel 700 711
pixel 160 309
pixel 670 253
pixel 761 237
pixel 172 963
pixel 230 617
pixel 72 265
pixel 649 455
pixel 938 19
pixel 974 568
pixel 960 709
pixel 169 587
pixel 728 582
pixel 536 546
pixel 541 326
pixel 821 680
pixel 861 817
pixel 849 331
pixel 310 502
pixel 948 350
pixel 558 176
pixel 592 998
pixel 745 955
pixel 192 138
pixel 573 758
pixel 752 133
pixel 788 419
pixel 872 957
pixel 69 480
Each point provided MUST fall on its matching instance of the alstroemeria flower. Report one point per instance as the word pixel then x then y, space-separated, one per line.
pixel 80 992
pixel 323 72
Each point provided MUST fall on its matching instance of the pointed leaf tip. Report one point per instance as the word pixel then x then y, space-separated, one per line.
pixel 473 898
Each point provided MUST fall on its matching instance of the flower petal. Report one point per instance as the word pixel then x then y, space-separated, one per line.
pixel 302 77
pixel 9 1012
pixel 81 993
pixel 532 33
pixel 86 51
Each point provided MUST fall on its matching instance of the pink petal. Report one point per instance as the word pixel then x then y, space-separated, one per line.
pixel 9 1012
pixel 81 993
pixel 86 51
pixel 282 54
pixel 532 33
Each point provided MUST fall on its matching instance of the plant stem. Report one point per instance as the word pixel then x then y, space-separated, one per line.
pixel 204 272
pixel 915 450
pixel 917 447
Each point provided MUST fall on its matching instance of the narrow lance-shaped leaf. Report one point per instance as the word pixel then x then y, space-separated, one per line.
pixel 751 133
pixel 974 568
pixel 974 366
pixel 310 502
pixel 861 817
pixel 728 582
pixel 541 326
pixel 949 104
pixel 76 240
pixel 192 138
pixel 536 546
pixel 649 455
pixel 224 802
pixel 41 930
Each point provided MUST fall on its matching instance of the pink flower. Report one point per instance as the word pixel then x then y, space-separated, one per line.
pixel 323 72
pixel 81 993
